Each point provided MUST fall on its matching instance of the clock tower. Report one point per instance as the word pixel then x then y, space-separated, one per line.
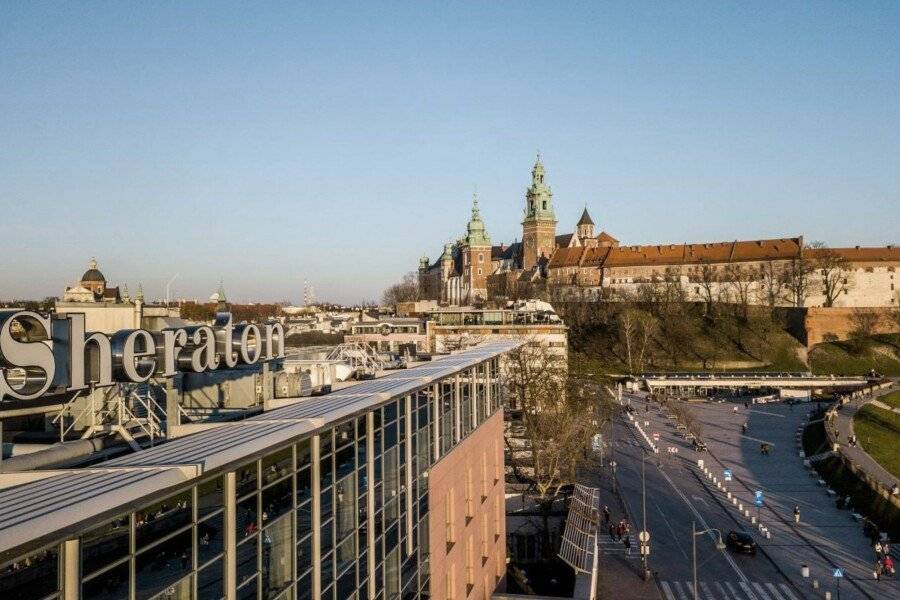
pixel 539 225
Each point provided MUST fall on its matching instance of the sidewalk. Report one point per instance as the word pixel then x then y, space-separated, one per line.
pixel 843 424
pixel 621 576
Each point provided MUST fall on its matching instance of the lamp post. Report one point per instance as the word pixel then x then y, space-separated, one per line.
pixel 645 537
pixel 694 533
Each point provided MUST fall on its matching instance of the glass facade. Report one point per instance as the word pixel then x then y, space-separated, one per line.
pixel 341 514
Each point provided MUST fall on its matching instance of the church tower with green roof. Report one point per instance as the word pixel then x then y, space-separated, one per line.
pixel 539 225
pixel 476 255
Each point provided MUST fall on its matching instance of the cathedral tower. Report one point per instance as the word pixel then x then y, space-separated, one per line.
pixel 585 227
pixel 539 225
pixel 476 255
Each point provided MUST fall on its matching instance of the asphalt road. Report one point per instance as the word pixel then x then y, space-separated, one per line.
pixel 678 493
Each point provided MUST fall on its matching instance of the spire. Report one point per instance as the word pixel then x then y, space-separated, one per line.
pixel 585 218
pixel 539 197
pixel 140 293
pixel 92 264
pixel 220 295
pixel 125 296
pixel 477 234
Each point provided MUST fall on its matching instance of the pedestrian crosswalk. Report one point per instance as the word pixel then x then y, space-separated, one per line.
pixel 728 590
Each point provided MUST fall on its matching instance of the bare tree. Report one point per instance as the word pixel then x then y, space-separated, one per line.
pixel 709 282
pixel 646 326
pixel 834 269
pixel 627 323
pixel 797 280
pixel 740 281
pixel 771 283
pixel 558 419
pixel 406 290
pixel 865 323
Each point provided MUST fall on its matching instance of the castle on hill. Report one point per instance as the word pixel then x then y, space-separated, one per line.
pixel 590 265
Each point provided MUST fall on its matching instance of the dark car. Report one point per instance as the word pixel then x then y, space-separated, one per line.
pixel 741 542
pixel 699 446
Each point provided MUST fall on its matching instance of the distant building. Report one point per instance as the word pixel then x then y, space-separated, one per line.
pixel 109 309
pixel 585 265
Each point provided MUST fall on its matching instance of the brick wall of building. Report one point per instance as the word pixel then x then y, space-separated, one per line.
pixel 466 495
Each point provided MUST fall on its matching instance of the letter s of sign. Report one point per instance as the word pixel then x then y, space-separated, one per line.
pixel 34 355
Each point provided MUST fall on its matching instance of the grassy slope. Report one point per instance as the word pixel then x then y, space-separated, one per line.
pixel 878 431
pixel 892 399
pixel 881 353
pixel 723 343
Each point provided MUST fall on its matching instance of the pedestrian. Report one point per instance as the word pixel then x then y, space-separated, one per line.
pixel 796 514
pixel 889 565
pixel 878 570
pixel 606 515
pixel 627 545
pixel 612 531
pixel 878 549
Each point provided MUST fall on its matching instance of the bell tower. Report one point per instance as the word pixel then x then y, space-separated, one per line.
pixel 477 256
pixel 539 225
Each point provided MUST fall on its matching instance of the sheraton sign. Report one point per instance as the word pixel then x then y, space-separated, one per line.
pixel 55 352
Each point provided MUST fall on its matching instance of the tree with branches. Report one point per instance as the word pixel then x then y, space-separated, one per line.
pixel 557 415
pixel 834 271
pixel 406 290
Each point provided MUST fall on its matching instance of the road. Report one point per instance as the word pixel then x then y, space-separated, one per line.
pixel 678 493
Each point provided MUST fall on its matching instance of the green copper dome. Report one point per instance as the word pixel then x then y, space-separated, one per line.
pixel 539 198
pixel 477 235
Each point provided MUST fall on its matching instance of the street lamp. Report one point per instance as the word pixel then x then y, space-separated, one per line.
pixel 720 545
pixel 644 537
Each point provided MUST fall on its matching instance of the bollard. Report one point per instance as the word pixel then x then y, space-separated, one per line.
pixel 815 584
pixel 753 520
pixel 728 495
pixel 734 501
pixel 827 595
pixel 741 506
pixel 747 512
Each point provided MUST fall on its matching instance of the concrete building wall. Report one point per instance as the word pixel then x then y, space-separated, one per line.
pixel 466 494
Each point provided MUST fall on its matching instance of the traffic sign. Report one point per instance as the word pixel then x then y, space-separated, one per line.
pixel 759 498
pixel 727 475
pixel 838 573
pixel 644 536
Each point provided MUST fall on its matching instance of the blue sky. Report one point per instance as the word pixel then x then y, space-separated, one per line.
pixel 269 143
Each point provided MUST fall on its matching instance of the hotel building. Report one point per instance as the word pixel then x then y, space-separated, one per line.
pixel 392 488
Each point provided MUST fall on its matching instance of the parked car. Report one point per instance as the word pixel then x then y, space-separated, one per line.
pixel 700 446
pixel 740 542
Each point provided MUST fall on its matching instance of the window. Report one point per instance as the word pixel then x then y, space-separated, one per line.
pixel 484 476
pixel 451 582
pixel 485 544
pixel 31 577
pixel 448 520
pixel 470 567
pixel 470 510
pixel 498 517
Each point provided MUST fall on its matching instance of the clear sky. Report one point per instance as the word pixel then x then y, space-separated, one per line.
pixel 270 143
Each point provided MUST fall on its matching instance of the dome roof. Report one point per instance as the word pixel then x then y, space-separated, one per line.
pixel 93 274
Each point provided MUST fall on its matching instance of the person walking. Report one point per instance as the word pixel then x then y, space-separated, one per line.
pixel 606 515
pixel 888 565
pixel 627 543
pixel 796 514
pixel 878 570
pixel 612 531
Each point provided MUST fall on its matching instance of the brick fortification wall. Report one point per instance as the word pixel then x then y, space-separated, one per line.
pixel 832 324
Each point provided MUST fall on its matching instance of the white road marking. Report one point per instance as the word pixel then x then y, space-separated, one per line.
pixel 667 590
pixel 704 525
pixel 771 414
pixel 786 590
pixel 774 590
pixel 732 589
pixel 679 591
pixel 761 590
pixel 747 590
